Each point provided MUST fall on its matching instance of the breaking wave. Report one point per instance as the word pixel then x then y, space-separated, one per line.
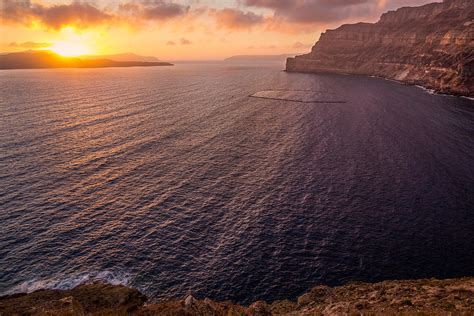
pixel 67 283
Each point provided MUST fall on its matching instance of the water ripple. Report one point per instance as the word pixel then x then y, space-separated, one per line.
pixel 175 180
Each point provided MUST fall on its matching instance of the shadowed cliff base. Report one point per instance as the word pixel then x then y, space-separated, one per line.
pixel 431 46
pixel 418 297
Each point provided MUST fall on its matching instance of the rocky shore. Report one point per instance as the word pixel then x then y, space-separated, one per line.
pixel 418 297
pixel 431 46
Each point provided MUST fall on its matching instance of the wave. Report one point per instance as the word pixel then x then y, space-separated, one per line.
pixel 67 283
pixel 434 92
pixel 429 91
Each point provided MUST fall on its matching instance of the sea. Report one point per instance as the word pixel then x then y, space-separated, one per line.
pixel 230 181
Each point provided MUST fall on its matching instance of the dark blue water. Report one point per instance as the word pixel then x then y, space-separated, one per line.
pixel 174 180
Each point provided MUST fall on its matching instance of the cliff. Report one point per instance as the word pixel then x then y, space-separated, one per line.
pixel 431 45
pixel 420 297
pixel 47 59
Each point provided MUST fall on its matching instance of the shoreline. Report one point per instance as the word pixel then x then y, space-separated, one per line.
pixel 425 296
pixel 429 89
pixel 427 45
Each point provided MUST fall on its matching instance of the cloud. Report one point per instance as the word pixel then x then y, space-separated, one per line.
pixel 315 11
pixel 328 11
pixel 185 41
pixel 160 10
pixel 77 14
pixel 81 14
pixel 299 45
pixel 237 19
pixel 286 16
pixel 170 43
pixel 392 5
pixel 30 45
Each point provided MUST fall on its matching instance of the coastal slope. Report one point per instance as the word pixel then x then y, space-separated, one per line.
pixel 417 297
pixel 431 45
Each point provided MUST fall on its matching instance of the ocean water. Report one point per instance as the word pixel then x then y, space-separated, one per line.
pixel 175 180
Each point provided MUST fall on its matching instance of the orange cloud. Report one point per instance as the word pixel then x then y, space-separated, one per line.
pixel 328 11
pixel 299 45
pixel 83 15
pixel 283 16
pixel 30 45
pixel 76 14
pixel 185 41
pixel 236 19
pixel 153 9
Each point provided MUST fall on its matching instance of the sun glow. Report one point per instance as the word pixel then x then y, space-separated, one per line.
pixel 70 48
pixel 72 44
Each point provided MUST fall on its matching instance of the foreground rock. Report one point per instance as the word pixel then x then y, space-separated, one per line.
pixel 420 297
pixel 432 45
pixel 90 299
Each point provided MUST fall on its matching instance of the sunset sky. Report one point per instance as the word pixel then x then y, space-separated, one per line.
pixel 180 29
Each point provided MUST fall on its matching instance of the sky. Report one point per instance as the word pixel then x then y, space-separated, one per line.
pixel 180 29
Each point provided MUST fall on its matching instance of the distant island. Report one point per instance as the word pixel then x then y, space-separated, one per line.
pixel 258 58
pixel 48 59
pixel 122 57
pixel 431 46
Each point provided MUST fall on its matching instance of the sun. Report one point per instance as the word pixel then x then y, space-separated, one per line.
pixel 73 43
pixel 71 48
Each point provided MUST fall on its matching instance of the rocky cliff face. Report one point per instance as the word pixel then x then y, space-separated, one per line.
pixel 431 45
pixel 417 297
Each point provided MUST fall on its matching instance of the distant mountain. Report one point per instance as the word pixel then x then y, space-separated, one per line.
pixel 48 59
pixel 259 58
pixel 122 57
pixel 431 45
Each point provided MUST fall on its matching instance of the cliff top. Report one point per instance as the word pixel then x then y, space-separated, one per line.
pixel 462 9
pixel 449 11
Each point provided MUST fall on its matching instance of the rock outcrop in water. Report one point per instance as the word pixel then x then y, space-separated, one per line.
pixel 420 297
pixel 431 45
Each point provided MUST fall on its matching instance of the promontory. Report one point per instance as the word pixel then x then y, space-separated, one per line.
pixel 430 45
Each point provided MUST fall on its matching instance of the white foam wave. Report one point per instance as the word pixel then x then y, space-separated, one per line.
pixel 429 91
pixel 66 283
pixel 433 92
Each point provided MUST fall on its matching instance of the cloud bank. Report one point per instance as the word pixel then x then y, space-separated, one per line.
pixel 79 14
pixel 237 19
pixel 85 15
pixel 328 11
pixel 245 15
pixel 30 45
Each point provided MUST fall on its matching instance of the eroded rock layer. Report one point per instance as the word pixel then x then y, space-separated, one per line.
pixel 431 45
